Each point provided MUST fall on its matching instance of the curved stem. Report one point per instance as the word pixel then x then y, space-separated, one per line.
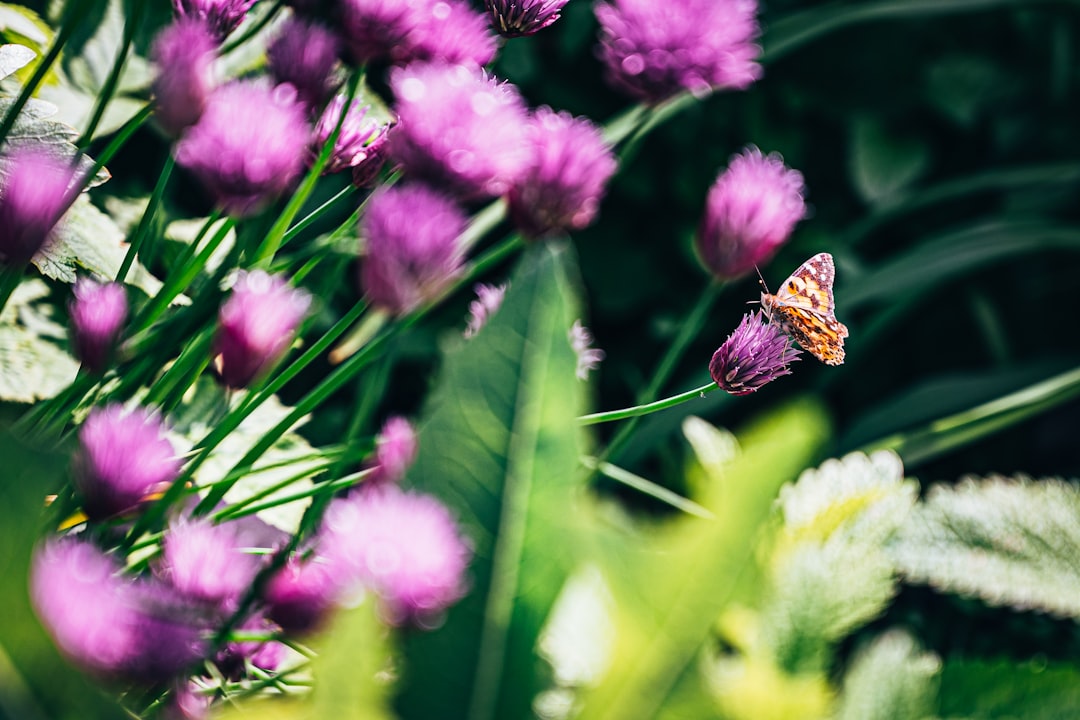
pixel 645 409
pixel 109 88
pixel 135 247
pixel 251 32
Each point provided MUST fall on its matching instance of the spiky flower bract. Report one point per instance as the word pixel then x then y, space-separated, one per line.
pixel 221 16
pixel 360 141
pixel 518 18
pixel 756 353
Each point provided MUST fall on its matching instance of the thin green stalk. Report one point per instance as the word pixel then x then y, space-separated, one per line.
pixel 252 31
pixel 320 489
pixel 135 247
pixel 647 487
pixel 982 421
pixel 645 409
pixel 238 508
pixel 131 24
pixel 73 19
pixel 119 140
pixel 196 353
pixel 690 329
pixel 272 242
pixel 318 212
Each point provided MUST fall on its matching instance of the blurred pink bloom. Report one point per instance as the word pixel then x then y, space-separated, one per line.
pixel 459 129
pixel 184 55
pixel 36 189
pixel 256 326
pixel 221 16
pixel 98 312
pixel 208 562
pixel 123 456
pixel 589 358
pixel 654 49
pixel 305 55
pixel 395 451
pixel 488 300
pixel 750 212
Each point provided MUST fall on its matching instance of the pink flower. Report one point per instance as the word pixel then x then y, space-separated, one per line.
pixel 412 254
pixel 653 49
pixel 249 145
pixel 395 451
pixel 588 357
pixel 305 55
pixel 448 31
pixel 756 353
pixel 488 300
pixel 221 16
pixel 403 545
pixel 123 456
pixel 750 212
pixel 98 312
pixel 459 129
pixel 570 167
pixel 359 143
pixel 208 562
pixel 256 325
pixel 36 189
pixel 299 596
pixel 517 18
pixel 184 55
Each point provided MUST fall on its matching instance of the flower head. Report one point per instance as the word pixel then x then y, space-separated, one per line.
pixel 413 252
pixel 249 145
pixel 488 300
pixel 517 18
pixel 654 49
pixel 565 181
pixel 459 129
pixel 123 456
pixel 305 55
pixel 98 312
pixel 106 624
pixel 750 212
pixel 588 357
pixel 395 451
pixel 448 31
pixel 256 325
pixel 373 29
pixel 184 55
pixel 221 16
pixel 299 596
pixel 208 562
pixel 36 189
pixel 756 353
pixel 404 545
pixel 359 143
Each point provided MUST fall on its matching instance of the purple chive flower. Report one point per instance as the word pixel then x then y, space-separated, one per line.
pixel 756 353
pixel 395 451
pixel 249 145
pixel 36 189
pixel 207 562
pixel 571 165
pixel 359 144
pixel 459 129
pixel 654 49
pixel 373 29
pixel 187 701
pixel 448 31
pixel 256 325
pixel 518 18
pixel 412 251
pixel 265 655
pixel 305 55
pixel 221 16
pixel 123 456
pixel 588 357
pixel 184 54
pixel 107 624
pixel 750 212
pixel 403 545
pixel 488 300
pixel 300 595
pixel 98 312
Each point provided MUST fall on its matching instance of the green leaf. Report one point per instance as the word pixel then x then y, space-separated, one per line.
pixel 1001 690
pixel 353 651
pixel 35 129
pixel 954 254
pixel 499 444
pixel 33 364
pixel 883 164
pixel 1008 541
pixel 890 679
pixel 87 239
pixel 13 57
pixel 671 587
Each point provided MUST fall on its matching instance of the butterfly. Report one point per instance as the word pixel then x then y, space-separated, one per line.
pixel 803 307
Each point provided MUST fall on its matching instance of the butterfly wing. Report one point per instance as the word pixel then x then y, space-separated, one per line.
pixel 804 308
pixel 810 286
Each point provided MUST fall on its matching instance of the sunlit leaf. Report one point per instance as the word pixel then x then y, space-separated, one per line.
pixel 33 362
pixel 890 679
pixel 13 57
pixel 1009 541
pixel 499 444
pixel 990 690
pixel 36 128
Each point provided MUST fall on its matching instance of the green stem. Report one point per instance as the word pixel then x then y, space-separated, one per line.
pixel 71 22
pixel 964 428
pixel 272 242
pixel 315 214
pixel 119 140
pixel 135 247
pixel 327 488
pixel 645 409
pixel 131 24
pixel 252 31
pixel 647 487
